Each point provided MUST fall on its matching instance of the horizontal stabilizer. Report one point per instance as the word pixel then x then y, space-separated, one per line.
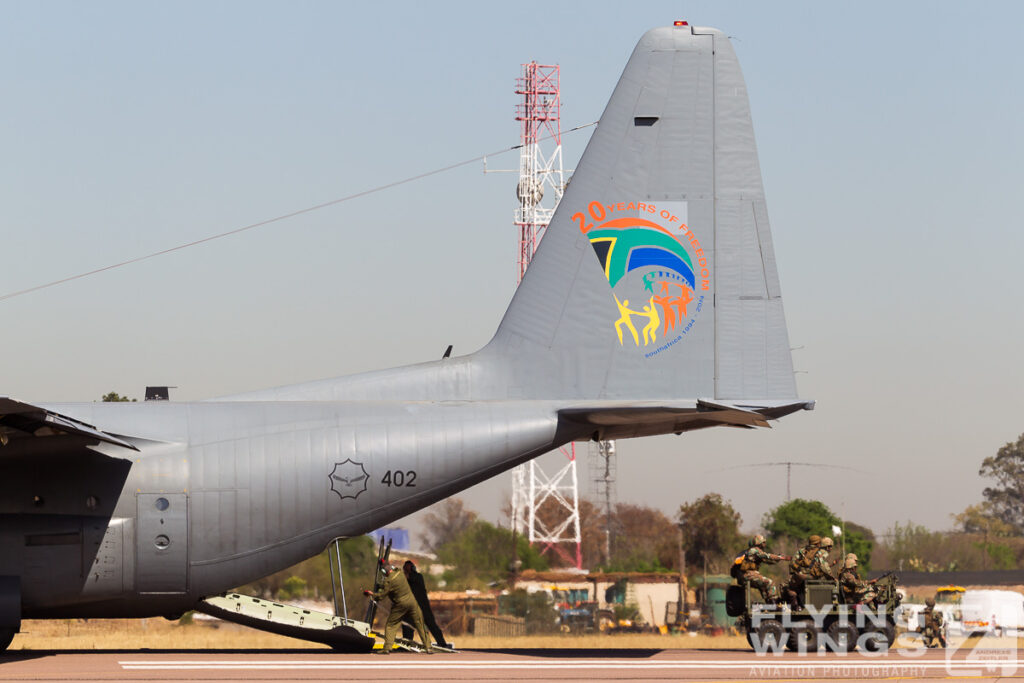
pixel 24 419
pixel 645 418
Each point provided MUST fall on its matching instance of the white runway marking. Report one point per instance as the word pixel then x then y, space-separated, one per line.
pixel 763 665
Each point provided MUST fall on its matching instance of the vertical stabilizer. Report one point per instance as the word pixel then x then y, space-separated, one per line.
pixel 656 277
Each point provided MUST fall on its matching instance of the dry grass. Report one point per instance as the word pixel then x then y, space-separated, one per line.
pixel 160 634
pixel 137 634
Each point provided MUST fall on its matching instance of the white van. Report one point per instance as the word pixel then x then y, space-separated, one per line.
pixel 910 617
pixel 992 611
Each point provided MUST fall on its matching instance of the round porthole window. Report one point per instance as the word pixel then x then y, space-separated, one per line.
pixel 162 504
pixel 162 541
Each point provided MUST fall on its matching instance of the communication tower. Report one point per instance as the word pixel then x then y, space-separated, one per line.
pixel 540 187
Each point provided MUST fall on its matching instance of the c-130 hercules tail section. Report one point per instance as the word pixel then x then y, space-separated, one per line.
pixel 652 306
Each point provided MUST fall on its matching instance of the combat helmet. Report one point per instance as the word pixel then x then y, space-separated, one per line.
pixel 851 561
pixel 757 541
pixel 814 539
pixel 826 542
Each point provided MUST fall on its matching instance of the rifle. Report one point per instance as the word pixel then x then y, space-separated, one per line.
pixel 891 572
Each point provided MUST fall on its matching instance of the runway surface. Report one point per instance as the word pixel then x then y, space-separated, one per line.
pixel 503 665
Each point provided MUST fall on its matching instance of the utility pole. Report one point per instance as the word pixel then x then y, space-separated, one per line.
pixel 602 467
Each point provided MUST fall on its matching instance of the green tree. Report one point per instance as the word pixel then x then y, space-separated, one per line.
pixel 982 519
pixel 911 546
pixel 645 540
pixel 481 555
pixel 446 520
pixel 114 397
pixel 292 588
pixel 642 539
pixel 1006 498
pixel 536 608
pixel 358 563
pixel 710 526
pixel 791 523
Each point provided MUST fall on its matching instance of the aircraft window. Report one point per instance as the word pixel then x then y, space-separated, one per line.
pixel 162 541
pixel 162 504
pixel 92 502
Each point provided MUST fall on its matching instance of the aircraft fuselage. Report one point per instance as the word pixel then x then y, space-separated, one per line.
pixel 227 493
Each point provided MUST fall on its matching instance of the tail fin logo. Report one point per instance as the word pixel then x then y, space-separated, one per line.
pixel 643 251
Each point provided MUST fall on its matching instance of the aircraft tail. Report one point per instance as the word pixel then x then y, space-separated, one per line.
pixel 656 277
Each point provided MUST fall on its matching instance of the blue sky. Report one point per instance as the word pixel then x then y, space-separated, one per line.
pixel 890 143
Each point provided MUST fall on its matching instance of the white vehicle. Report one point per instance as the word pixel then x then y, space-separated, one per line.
pixel 910 617
pixel 992 611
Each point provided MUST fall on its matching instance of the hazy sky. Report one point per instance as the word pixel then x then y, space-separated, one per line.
pixel 890 140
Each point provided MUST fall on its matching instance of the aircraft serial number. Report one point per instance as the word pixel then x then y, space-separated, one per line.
pixel 399 478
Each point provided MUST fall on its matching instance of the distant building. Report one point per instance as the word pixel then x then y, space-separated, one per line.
pixel 565 587
pixel 655 595
pixel 398 536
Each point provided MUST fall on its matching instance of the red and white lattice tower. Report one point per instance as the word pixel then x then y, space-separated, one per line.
pixel 541 183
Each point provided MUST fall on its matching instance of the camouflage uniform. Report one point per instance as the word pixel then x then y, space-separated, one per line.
pixel 403 606
pixel 749 564
pixel 800 569
pixel 819 567
pixel 855 588
pixel 933 628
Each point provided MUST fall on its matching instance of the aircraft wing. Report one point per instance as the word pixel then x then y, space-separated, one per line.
pixel 19 419
pixel 647 418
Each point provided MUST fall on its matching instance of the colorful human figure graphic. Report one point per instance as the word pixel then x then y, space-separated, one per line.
pixel 667 310
pixel 685 297
pixel 630 246
pixel 627 320
pixel 649 282
pixel 651 327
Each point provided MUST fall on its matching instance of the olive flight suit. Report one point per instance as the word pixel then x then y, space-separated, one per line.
pixel 403 606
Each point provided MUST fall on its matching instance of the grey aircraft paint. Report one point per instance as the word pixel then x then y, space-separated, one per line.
pixel 652 306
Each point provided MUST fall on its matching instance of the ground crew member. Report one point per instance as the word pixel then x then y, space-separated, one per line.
pixel 403 604
pixel 800 570
pixel 749 564
pixel 820 568
pixel 419 591
pixel 855 588
pixel 933 627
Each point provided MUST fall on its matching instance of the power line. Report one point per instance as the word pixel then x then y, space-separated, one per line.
pixel 268 221
pixel 789 470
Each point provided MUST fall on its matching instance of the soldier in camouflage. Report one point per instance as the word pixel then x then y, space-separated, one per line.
pixel 820 568
pixel 855 589
pixel 749 564
pixel 934 632
pixel 403 606
pixel 800 570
